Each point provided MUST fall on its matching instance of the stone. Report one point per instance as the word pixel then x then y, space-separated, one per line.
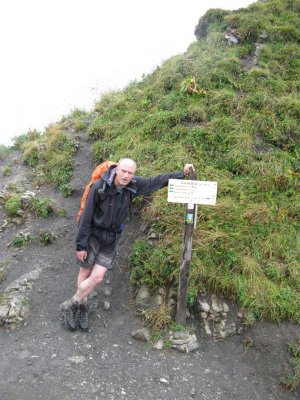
pixel 163 380
pixel 203 306
pixel 231 39
pixel 215 305
pixel 231 329
pixel 159 345
pixel 157 300
pixel 107 291
pixel 203 315
pixel 106 305
pixel 142 334
pixel 225 307
pixel 182 335
pixel 207 330
pixel 143 295
pixel 76 359
pixel 153 236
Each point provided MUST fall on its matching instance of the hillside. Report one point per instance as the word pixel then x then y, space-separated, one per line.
pixel 230 105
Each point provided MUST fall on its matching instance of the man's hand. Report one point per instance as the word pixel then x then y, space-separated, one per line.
pixel 81 255
pixel 186 169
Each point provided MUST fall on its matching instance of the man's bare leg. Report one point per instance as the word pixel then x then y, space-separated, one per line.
pixel 88 279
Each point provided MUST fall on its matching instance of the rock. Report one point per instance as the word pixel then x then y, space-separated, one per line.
pixel 142 334
pixel 204 315
pixel 106 305
pixel 76 359
pixel 225 307
pixel 207 330
pixel 156 300
pixel 186 346
pixel 3 314
pixel 230 35
pixel 203 306
pixel 107 291
pixel 153 235
pixel 159 344
pixel 26 199
pixel 163 380
pixel 215 305
pixel 143 295
pixel 182 335
pixel 230 329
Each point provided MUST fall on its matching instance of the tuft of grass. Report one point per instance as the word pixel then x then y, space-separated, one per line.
pixel 4 151
pixel 41 207
pixel 13 205
pixel 157 319
pixel 50 154
pixel 7 170
pixel 22 238
pixel 46 237
pixel 292 380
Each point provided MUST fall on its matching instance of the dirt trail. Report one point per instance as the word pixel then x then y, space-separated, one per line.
pixel 42 360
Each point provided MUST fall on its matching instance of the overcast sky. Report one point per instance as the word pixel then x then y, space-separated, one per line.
pixel 57 55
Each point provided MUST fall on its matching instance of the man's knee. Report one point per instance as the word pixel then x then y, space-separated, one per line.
pixel 98 273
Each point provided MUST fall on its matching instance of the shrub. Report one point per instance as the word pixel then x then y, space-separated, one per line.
pixel 46 237
pixel 7 170
pixel 41 207
pixel 21 238
pixel 13 205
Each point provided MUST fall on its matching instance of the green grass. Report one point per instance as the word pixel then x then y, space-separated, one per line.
pixel 242 130
pixel 13 205
pixel 235 116
pixel 291 380
pixel 50 154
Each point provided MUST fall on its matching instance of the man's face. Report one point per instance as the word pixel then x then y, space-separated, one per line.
pixel 124 173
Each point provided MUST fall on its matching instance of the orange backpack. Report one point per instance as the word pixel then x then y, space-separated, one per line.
pixel 98 172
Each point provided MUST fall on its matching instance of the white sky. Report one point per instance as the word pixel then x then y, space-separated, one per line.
pixel 60 54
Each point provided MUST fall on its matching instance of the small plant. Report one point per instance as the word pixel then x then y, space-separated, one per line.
pixel 174 327
pixel 157 319
pixel 189 86
pixel 66 190
pixel 7 170
pixel 13 205
pixel 21 239
pixel 4 151
pixel 292 380
pixel 41 207
pixel 46 237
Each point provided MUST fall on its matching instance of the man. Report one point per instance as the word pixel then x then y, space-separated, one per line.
pixel 101 224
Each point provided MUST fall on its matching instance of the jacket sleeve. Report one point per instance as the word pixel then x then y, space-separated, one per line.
pixel 146 186
pixel 84 227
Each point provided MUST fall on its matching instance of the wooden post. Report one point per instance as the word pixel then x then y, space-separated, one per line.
pixel 190 215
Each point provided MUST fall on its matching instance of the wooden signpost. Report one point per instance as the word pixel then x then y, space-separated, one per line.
pixel 191 192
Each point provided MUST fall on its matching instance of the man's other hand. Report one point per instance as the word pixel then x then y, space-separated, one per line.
pixel 81 255
pixel 186 169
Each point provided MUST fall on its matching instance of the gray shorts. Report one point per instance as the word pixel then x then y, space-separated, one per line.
pixel 97 253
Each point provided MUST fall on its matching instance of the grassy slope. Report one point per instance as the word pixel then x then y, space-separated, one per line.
pixel 239 126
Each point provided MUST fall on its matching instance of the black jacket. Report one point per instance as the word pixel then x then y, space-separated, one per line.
pixel 103 215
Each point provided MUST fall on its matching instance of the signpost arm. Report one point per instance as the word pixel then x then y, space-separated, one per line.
pixel 190 215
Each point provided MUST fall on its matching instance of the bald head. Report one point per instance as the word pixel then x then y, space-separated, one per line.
pixel 124 172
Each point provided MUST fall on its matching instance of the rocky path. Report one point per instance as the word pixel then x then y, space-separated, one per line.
pixel 42 360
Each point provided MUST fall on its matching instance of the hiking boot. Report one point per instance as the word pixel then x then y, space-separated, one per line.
pixel 71 317
pixel 84 317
